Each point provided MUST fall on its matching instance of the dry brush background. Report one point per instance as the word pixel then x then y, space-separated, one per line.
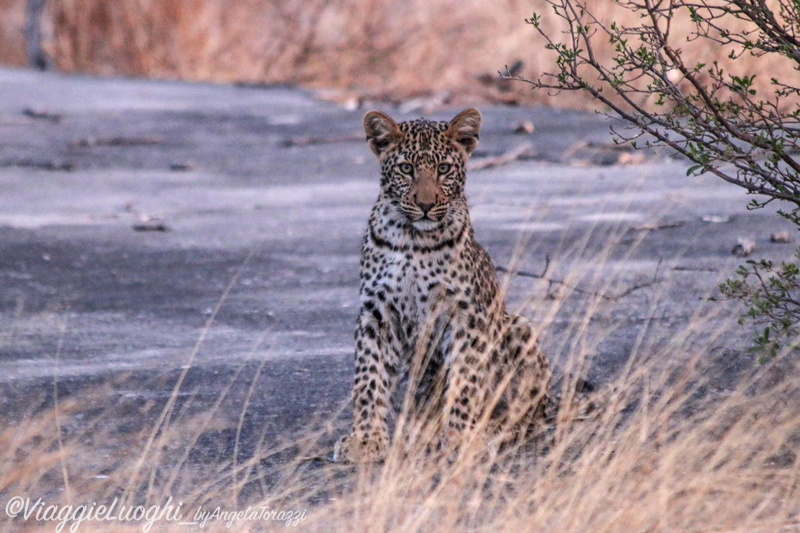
pixel 379 48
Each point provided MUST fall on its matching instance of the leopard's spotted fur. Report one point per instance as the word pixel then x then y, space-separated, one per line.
pixel 430 296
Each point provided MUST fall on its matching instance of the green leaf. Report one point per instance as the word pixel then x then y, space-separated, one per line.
pixel 693 169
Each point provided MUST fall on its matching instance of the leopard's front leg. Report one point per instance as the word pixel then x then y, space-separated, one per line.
pixel 376 363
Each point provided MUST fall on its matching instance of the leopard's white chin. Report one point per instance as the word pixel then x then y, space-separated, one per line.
pixel 425 224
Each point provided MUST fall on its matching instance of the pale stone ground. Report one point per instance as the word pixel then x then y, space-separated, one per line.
pixel 247 201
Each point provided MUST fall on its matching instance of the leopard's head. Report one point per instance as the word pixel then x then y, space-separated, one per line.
pixel 423 163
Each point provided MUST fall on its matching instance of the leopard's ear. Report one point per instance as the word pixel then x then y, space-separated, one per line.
pixel 464 129
pixel 381 130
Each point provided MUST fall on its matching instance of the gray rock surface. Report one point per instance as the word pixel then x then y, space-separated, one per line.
pixel 264 194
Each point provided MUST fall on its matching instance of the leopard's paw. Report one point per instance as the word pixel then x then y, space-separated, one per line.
pixel 351 449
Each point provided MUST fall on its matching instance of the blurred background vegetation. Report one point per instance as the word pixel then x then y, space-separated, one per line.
pixel 390 49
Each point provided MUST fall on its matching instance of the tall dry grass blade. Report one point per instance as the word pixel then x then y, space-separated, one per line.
pixel 163 420
pixel 57 408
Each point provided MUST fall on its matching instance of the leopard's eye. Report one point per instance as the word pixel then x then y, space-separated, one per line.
pixel 443 168
pixel 406 168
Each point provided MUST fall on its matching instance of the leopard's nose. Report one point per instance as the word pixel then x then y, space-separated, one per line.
pixel 425 207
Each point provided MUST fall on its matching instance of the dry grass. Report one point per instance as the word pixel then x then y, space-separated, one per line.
pixel 379 48
pixel 671 448
pixel 12 40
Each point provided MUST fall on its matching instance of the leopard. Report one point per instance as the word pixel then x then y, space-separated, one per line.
pixel 431 303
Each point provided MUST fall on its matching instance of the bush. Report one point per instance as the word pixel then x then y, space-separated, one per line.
pixel 727 123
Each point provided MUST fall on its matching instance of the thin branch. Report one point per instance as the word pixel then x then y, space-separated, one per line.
pixel 528 274
pixel 518 152
pixel 609 297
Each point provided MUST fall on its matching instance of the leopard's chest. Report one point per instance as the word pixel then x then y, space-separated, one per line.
pixel 417 287
pixel 415 281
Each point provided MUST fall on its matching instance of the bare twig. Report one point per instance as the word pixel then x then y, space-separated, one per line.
pixel 654 227
pixel 609 297
pixel 636 287
pixel 120 141
pixel 310 140
pixel 694 269
pixel 42 164
pixel 41 114
pixel 522 151
pixel 528 274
